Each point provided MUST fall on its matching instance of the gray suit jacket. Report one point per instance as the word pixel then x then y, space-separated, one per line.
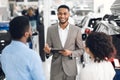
pixel 73 43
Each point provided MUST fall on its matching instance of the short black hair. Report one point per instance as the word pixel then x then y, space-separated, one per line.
pixel 101 46
pixel 63 6
pixel 18 26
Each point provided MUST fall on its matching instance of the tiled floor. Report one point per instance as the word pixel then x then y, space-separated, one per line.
pixel 46 66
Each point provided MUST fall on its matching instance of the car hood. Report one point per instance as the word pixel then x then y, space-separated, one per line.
pixel 108 28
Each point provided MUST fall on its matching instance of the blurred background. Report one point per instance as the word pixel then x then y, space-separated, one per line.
pixel 47 8
pixel 89 15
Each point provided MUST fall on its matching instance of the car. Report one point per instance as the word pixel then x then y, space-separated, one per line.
pixel 113 29
pixel 53 17
pixel 107 27
pixel 88 22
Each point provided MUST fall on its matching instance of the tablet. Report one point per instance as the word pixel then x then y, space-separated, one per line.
pixel 56 50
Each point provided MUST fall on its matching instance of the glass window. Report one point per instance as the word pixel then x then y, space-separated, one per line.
pixel 32 0
pixel 11 0
pixel 19 0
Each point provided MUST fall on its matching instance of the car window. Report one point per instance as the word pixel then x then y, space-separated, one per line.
pixel 53 13
pixel 83 22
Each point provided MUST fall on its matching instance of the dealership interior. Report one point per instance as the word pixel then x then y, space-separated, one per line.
pixel 88 15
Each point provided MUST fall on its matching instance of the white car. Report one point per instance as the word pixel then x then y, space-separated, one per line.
pixel 53 17
pixel 88 22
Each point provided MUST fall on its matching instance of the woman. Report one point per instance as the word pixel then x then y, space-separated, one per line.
pixel 100 48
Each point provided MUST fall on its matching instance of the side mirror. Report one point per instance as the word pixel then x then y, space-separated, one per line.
pixel 80 25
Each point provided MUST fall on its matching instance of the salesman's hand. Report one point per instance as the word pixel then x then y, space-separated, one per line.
pixel 47 49
pixel 66 52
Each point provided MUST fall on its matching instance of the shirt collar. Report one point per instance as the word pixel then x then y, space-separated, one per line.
pixel 67 28
pixel 15 42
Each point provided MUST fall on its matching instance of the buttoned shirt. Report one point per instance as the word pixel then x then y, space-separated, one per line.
pixel 63 33
pixel 21 63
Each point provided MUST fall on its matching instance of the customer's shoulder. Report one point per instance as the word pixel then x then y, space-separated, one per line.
pixel 32 53
pixel 95 65
pixel 7 48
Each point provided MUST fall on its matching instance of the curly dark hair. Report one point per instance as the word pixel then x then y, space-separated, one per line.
pixel 101 46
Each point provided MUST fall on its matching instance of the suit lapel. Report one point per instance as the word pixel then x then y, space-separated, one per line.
pixel 68 37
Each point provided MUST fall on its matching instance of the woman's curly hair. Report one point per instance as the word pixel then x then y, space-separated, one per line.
pixel 101 46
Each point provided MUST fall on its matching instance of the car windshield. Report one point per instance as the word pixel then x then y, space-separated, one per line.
pixel 83 22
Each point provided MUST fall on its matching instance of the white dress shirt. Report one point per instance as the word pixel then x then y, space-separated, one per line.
pixel 97 71
pixel 63 33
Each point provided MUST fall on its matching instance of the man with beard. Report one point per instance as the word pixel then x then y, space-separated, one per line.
pixel 64 42
pixel 19 62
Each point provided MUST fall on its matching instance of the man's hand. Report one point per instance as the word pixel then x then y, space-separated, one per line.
pixel 47 49
pixel 66 52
